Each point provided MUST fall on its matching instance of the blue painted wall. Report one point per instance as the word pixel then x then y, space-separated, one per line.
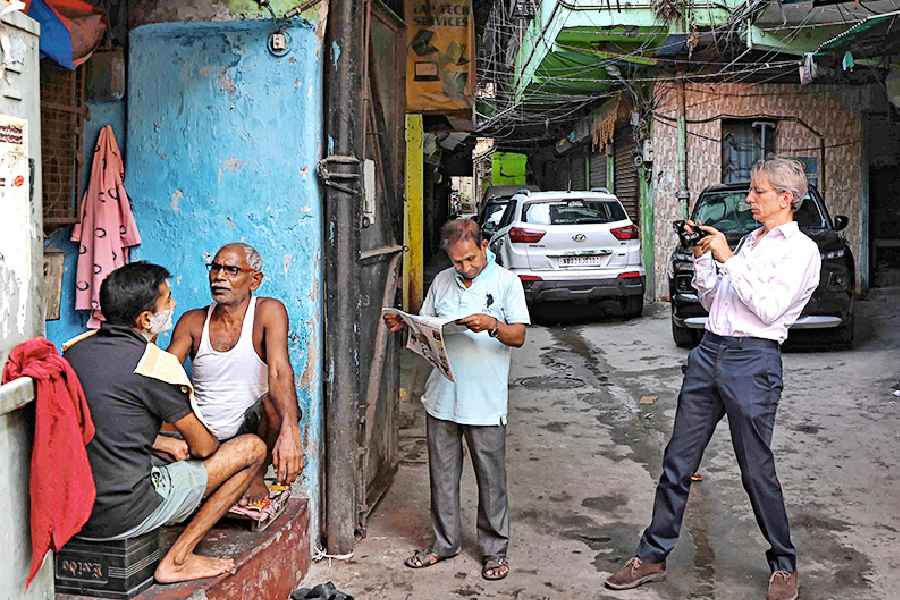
pixel 71 322
pixel 223 143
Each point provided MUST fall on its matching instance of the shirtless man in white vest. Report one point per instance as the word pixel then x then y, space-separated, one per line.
pixel 242 376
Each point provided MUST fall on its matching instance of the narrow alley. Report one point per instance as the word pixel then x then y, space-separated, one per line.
pixel 591 407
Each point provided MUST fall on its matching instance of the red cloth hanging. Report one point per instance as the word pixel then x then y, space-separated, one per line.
pixel 62 484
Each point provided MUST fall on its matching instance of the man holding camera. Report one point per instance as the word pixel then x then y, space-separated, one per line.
pixel 753 295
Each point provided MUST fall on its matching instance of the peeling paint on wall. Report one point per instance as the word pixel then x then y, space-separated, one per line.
pixel 174 199
pixel 146 12
pixel 309 376
pixel 233 157
pixel 335 53
pixel 226 84
pixel 10 300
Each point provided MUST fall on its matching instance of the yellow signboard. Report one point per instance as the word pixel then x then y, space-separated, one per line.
pixel 440 60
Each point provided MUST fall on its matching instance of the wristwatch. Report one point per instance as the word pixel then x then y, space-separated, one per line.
pixel 493 332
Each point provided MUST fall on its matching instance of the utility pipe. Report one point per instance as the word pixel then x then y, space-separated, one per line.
pixel 343 197
pixel 684 195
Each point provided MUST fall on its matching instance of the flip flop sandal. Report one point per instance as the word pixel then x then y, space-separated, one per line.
pixel 424 558
pixel 492 569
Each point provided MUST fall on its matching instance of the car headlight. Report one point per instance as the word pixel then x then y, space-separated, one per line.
pixel 832 254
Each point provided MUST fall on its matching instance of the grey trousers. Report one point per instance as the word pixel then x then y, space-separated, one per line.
pixel 741 378
pixel 487 446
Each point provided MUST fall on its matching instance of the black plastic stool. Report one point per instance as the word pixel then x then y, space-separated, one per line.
pixel 108 569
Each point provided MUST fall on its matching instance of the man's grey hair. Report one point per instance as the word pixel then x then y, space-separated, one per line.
pixel 785 175
pixel 460 230
pixel 254 258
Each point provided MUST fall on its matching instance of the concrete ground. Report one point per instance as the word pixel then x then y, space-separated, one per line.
pixel 591 409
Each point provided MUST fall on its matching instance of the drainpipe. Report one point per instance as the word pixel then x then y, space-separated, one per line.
pixel 340 172
pixel 684 196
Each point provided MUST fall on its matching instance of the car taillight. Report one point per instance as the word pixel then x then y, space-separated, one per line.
pixel 528 280
pixel 629 275
pixel 522 235
pixel 629 232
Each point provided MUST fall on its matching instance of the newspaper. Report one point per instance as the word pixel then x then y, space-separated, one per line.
pixel 426 338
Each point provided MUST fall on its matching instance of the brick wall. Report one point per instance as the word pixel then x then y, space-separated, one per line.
pixel 62 123
pixel 831 112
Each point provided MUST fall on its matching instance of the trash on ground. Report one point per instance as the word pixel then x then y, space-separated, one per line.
pixel 323 591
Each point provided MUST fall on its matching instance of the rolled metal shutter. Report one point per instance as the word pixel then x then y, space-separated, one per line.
pixel 562 166
pixel 598 170
pixel 627 188
pixel 577 167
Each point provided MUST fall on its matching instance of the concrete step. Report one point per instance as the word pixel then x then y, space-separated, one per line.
pixel 270 563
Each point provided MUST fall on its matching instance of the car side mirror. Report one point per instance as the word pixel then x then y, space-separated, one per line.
pixel 840 222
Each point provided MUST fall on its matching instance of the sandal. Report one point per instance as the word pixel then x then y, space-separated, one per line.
pixel 494 569
pixel 424 558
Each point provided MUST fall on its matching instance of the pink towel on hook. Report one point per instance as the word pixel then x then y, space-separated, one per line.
pixel 107 226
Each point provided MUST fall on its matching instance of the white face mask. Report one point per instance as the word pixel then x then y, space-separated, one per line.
pixel 161 321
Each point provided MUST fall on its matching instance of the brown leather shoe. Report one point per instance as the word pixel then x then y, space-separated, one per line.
pixel 784 585
pixel 635 573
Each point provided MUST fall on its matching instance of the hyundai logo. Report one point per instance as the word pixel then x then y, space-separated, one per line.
pixel 579 237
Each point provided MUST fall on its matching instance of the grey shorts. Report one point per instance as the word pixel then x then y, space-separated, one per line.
pixel 181 485
pixel 252 418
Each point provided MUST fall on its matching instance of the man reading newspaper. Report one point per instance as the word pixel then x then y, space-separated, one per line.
pixel 489 302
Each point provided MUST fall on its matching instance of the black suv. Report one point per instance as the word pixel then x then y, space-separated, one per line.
pixel 724 207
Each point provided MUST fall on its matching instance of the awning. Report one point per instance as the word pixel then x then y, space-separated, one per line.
pixel 878 35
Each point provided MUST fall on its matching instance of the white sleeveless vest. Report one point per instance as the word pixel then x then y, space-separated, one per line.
pixel 226 384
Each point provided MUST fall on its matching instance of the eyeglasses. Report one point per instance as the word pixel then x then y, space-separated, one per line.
pixel 230 270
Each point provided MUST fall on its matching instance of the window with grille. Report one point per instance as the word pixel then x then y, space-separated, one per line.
pixel 62 133
pixel 743 144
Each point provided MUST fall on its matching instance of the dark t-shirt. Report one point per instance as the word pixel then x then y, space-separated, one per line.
pixel 127 410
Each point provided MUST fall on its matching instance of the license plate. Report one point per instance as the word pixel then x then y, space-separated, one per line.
pixel 582 261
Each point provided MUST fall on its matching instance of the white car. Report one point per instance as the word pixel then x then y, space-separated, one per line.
pixel 572 246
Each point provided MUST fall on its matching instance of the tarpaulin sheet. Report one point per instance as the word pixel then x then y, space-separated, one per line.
pixel 70 29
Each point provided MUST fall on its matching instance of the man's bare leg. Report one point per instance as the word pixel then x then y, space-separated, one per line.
pixel 229 472
pixel 269 427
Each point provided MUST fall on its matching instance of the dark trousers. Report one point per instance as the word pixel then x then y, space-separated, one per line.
pixel 487 446
pixel 741 378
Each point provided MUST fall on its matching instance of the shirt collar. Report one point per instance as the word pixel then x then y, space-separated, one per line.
pixel 123 331
pixel 787 230
pixel 490 266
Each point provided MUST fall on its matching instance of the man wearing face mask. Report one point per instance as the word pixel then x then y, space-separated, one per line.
pixel 132 387
pixel 241 370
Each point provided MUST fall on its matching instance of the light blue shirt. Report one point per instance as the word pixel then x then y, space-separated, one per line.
pixel 480 363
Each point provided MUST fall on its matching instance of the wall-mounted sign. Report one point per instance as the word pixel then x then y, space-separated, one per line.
pixel 440 60
pixel 15 250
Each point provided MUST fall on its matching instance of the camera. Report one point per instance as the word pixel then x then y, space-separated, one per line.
pixel 689 238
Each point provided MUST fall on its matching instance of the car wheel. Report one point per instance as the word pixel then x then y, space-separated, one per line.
pixel 684 337
pixel 633 307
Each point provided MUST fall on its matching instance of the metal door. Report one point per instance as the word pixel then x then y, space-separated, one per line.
pixel 598 169
pixel 626 180
pixel 577 170
pixel 381 249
